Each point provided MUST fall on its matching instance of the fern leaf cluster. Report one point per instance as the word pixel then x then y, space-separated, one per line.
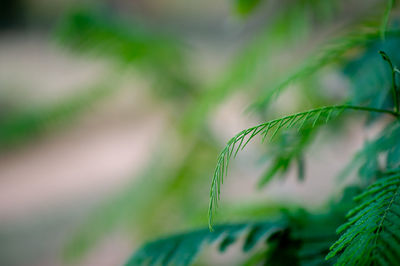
pixel 309 118
pixel 333 52
pixel 371 234
pixel 181 249
pixel 367 159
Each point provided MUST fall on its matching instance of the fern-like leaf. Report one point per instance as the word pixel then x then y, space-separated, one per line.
pixel 332 52
pixel 385 145
pixel 181 249
pixel 239 142
pixel 371 233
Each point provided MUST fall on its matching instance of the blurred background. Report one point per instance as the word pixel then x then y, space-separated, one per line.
pixel 113 112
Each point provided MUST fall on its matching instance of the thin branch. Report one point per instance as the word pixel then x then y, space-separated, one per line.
pixel 394 87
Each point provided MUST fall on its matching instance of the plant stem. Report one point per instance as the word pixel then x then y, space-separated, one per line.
pixel 394 87
pixel 394 91
pixel 371 109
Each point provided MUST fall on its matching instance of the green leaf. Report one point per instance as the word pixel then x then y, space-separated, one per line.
pixel 244 7
pixel 158 55
pixel 371 233
pixel 181 249
pixel 330 53
pixel 305 119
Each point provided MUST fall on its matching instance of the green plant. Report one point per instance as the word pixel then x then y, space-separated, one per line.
pixel 371 233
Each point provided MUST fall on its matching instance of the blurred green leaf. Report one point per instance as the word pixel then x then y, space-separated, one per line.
pixel 181 249
pixel 159 55
pixel 245 7
pixel 21 125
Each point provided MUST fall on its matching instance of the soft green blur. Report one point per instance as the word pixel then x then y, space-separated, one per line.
pixel 203 70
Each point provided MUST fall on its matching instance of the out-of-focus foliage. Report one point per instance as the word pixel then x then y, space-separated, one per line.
pixel 334 52
pixel 289 148
pixel 371 235
pixel 384 145
pixel 299 237
pixel 257 66
pixel 173 177
pixel 158 55
pixel 245 7
pixel 369 72
pixel 181 249
pixel 17 126
pixel 308 118
pixel 282 50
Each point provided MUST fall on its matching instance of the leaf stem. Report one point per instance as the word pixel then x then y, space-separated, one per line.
pixel 370 109
pixel 394 87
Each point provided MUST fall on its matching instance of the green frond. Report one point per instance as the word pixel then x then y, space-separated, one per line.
pixel 181 249
pixel 331 53
pixel 271 128
pixel 371 80
pixel 385 145
pixel 371 233
pixel 309 235
pixel 255 62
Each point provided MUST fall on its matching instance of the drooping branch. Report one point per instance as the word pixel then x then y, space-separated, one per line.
pixel 271 128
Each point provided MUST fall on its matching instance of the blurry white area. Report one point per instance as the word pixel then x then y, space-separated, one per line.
pixel 57 179
pixel 35 71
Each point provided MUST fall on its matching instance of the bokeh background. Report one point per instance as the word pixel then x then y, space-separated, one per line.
pixel 113 112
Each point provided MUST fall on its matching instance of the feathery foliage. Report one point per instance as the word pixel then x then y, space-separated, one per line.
pixel 308 118
pixel 331 53
pixel 297 238
pixel 371 234
pixel 371 78
pixel 304 238
pixel 181 249
pixel 367 159
pixel 254 65
pixel 307 241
